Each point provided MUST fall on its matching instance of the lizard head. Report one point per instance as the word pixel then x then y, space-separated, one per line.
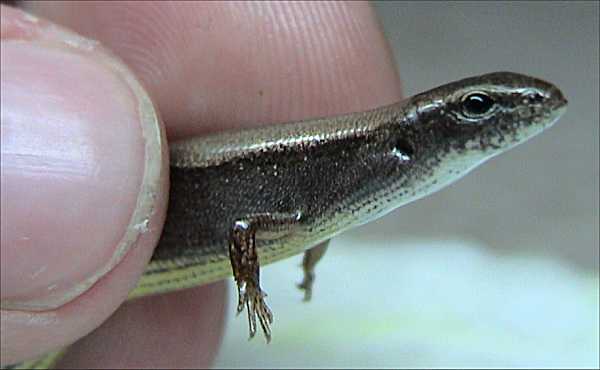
pixel 446 132
pixel 489 114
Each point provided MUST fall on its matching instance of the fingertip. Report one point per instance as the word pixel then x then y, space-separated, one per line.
pixel 84 181
pixel 238 64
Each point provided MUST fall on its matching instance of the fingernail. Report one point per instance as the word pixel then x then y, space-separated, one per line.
pixel 81 150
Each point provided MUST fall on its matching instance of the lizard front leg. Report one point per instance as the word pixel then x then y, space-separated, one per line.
pixel 245 265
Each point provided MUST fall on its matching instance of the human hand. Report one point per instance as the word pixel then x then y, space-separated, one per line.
pixel 73 157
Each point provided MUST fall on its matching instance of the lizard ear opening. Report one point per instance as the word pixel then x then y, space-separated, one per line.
pixel 403 149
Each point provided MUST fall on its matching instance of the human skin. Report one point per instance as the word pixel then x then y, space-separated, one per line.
pixel 208 67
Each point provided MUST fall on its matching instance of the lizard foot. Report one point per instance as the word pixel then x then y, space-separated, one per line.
pixel 253 298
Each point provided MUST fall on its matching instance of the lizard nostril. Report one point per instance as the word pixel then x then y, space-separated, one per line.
pixel 535 98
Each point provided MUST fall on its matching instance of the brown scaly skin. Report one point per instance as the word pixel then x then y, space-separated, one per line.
pixel 335 173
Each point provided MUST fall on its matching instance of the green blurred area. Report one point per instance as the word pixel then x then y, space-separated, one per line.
pixel 424 304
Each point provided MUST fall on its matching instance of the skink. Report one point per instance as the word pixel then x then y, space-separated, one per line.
pixel 239 200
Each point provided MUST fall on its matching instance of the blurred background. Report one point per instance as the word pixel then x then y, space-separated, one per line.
pixel 498 270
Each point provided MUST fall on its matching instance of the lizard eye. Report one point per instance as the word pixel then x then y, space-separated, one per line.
pixel 475 105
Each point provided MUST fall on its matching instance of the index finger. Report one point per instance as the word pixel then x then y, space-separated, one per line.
pixel 212 67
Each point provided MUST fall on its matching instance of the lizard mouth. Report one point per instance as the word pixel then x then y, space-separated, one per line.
pixel 559 98
pixel 556 105
pixel 559 107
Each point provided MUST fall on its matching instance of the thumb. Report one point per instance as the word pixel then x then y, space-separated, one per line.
pixel 83 180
